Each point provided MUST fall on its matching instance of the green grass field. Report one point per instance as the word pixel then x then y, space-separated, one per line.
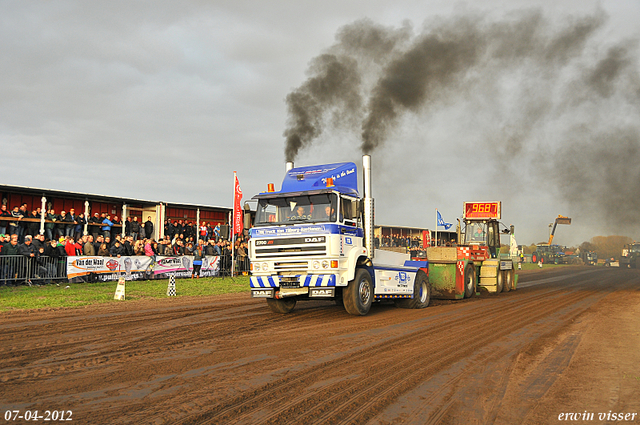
pixel 81 294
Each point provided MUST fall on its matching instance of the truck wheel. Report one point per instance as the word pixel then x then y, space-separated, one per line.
pixel 499 282
pixel 421 293
pixel 469 281
pixel 358 295
pixel 282 306
pixel 534 257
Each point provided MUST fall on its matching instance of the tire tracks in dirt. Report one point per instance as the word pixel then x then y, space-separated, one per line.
pixel 236 362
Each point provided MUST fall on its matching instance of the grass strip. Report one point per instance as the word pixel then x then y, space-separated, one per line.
pixel 82 294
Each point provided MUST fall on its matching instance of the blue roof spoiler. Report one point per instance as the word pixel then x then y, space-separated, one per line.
pixel 314 177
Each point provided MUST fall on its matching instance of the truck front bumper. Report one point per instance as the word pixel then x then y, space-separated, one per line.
pixel 312 285
pixel 303 280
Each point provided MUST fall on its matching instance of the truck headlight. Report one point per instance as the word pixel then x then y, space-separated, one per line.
pixel 316 264
pixel 264 267
pixel 256 267
pixel 325 264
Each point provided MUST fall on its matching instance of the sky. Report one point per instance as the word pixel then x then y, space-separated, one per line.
pixel 532 103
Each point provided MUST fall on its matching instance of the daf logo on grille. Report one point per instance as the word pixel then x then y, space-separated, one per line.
pixel 317 239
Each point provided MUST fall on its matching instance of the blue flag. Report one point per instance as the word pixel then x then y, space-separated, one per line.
pixel 442 223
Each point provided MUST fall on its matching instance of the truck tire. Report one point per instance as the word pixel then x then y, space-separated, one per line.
pixel 282 306
pixel 421 293
pixel 358 295
pixel 499 282
pixel 534 257
pixel 469 281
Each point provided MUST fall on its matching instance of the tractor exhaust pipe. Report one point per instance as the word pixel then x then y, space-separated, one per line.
pixel 288 166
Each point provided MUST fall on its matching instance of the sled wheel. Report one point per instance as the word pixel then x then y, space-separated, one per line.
pixel 469 281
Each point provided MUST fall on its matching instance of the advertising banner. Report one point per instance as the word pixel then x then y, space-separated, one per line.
pixel 139 267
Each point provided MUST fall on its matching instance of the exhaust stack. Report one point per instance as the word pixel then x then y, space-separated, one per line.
pixel 288 166
pixel 368 205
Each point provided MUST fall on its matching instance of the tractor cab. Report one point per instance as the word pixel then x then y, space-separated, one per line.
pixel 483 233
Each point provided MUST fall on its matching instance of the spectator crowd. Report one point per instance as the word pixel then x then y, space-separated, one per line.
pixel 64 236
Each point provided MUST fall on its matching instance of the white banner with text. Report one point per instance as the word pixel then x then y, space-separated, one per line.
pixel 139 267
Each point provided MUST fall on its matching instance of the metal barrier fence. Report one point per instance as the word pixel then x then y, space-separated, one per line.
pixel 240 267
pixel 18 269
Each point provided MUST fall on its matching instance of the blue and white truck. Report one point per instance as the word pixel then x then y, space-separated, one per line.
pixel 313 239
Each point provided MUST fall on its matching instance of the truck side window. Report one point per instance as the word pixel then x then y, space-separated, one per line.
pixel 349 211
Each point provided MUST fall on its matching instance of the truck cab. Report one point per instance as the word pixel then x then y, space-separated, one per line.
pixel 314 239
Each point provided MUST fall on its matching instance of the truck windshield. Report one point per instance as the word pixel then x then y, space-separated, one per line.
pixel 635 248
pixel 296 209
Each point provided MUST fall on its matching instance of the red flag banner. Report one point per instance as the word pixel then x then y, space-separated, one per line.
pixel 237 210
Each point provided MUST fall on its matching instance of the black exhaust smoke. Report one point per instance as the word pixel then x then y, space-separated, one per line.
pixel 560 103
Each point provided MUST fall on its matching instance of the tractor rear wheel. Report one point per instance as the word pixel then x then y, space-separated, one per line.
pixel 534 257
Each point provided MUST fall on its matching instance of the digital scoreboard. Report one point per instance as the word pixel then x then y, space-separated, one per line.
pixel 482 210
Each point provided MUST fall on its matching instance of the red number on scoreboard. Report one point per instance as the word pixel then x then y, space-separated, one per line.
pixel 482 210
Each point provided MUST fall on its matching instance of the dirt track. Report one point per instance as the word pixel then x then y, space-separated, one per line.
pixel 568 340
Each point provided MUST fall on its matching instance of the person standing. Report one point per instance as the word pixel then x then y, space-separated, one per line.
pixel 168 228
pixel 80 222
pixel 4 223
pixel 60 229
pixel 127 227
pixel 94 226
pixel 23 224
pixel 14 226
pixel 70 223
pixel 106 226
pixel 148 228
pixel 34 223
pixel 135 228
pixel 197 261
pixel 203 232
pixel 49 225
